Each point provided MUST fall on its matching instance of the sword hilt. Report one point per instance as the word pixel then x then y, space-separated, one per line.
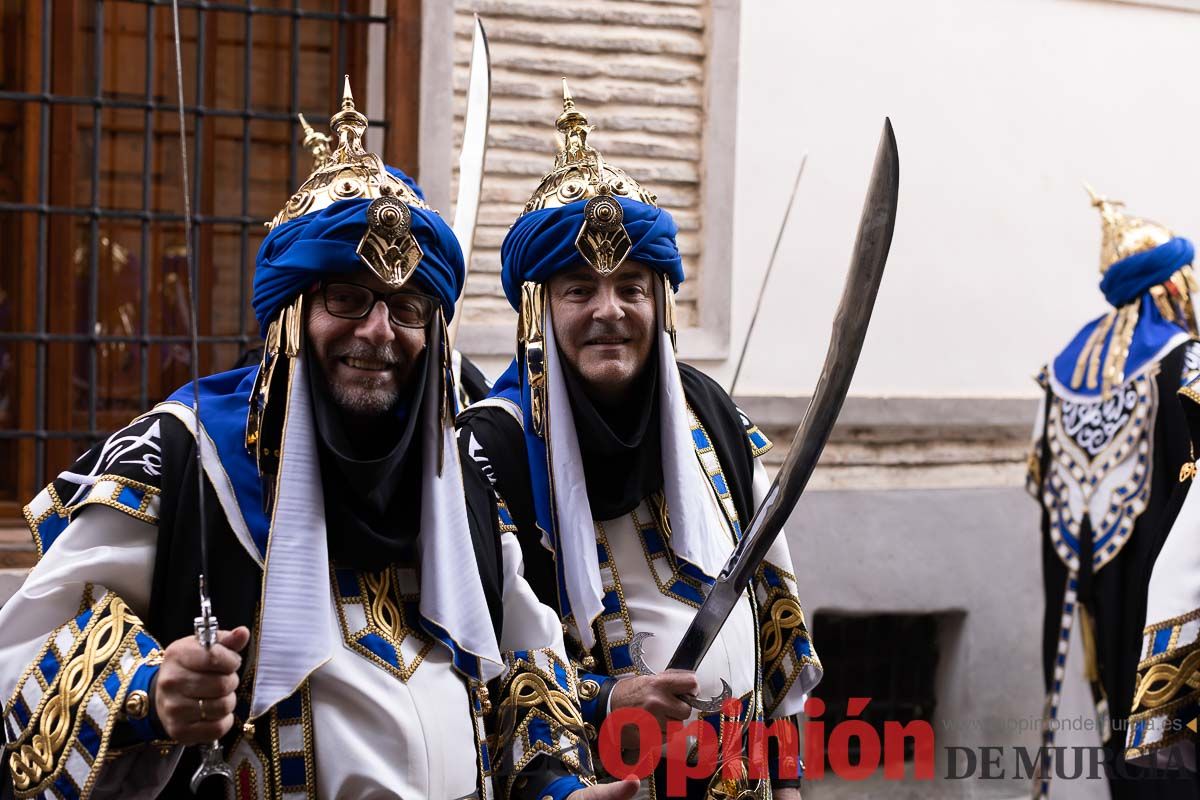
pixel 211 760
pixel 205 625
pixel 637 653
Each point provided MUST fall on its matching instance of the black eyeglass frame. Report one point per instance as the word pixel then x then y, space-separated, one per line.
pixel 427 301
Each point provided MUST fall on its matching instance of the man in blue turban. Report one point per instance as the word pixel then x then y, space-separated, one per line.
pixel 627 475
pixel 1110 442
pixel 392 640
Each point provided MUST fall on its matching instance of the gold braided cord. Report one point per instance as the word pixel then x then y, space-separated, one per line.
pixel 37 763
pixel 781 623
pixel 1089 356
pixel 383 607
pixel 784 616
pixel 1161 683
pixel 530 692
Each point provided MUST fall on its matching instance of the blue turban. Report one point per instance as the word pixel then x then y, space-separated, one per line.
pixel 1129 277
pixel 400 175
pixel 542 243
pixel 298 253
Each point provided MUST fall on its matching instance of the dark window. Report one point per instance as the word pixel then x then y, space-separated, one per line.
pixel 93 301
pixel 890 658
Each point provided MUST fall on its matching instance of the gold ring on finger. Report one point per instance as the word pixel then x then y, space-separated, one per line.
pixel 203 716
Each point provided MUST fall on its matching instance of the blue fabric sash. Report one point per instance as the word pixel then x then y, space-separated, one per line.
pixel 224 409
pixel 511 387
pixel 1151 336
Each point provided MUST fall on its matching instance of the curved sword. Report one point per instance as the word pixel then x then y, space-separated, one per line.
pixel 471 156
pixel 845 344
pixel 205 625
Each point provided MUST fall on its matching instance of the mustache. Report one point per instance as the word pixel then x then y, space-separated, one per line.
pixel 604 329
pixel 386 353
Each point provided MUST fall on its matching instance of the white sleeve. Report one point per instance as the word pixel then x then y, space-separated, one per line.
pixel 72 651
pixel 528 623
pixel 538 699
pixel 791 668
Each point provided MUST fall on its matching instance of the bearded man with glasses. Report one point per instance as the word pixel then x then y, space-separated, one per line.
pixel 376 620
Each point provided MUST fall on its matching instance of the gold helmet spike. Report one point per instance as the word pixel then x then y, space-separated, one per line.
pixel 1122 235
pixel 581 173
pixel 316 143
pixel 350 172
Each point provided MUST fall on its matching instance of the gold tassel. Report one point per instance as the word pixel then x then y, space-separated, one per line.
pixel 445 385
pixel 1091 667
pixel 1090 355
pixel 294 322
pixel 1118 348
pixel 285 337
pixel 530 335
pixel 669 311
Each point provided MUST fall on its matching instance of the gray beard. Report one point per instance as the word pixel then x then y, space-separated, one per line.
pixel 362 400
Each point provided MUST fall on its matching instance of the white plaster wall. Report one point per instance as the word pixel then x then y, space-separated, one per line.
pixel 1002 108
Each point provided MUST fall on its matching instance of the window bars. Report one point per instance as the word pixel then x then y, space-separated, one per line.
pixel 90 229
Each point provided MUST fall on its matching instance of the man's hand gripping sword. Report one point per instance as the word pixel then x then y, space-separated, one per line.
pixel 205 625
pixel 845 344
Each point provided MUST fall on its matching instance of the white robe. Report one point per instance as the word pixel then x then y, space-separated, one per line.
pixel 375 735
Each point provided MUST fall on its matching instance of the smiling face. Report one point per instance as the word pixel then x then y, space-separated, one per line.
pixel 604 325
pixel 366 362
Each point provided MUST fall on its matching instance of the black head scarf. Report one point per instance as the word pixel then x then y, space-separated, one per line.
pixel 621 447
pixel 372 500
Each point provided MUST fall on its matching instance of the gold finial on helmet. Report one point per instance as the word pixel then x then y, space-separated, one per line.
pixel 1121 235
pixel 316 143
pixel 581 173
pixel 350 172
pixel 579 170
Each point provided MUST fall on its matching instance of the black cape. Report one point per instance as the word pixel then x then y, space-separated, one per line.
pixel 1116 594
pixel 502 440
pixel 234 577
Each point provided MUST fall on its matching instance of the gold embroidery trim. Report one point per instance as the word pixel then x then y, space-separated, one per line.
pixel 785 616
pixel 529 689
pixel 383 606
pixel 36 763
pixel 1162 682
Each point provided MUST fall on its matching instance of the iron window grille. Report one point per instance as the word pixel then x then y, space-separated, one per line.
pixel 93 321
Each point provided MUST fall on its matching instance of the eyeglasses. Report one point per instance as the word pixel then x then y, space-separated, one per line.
pixel 354 301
